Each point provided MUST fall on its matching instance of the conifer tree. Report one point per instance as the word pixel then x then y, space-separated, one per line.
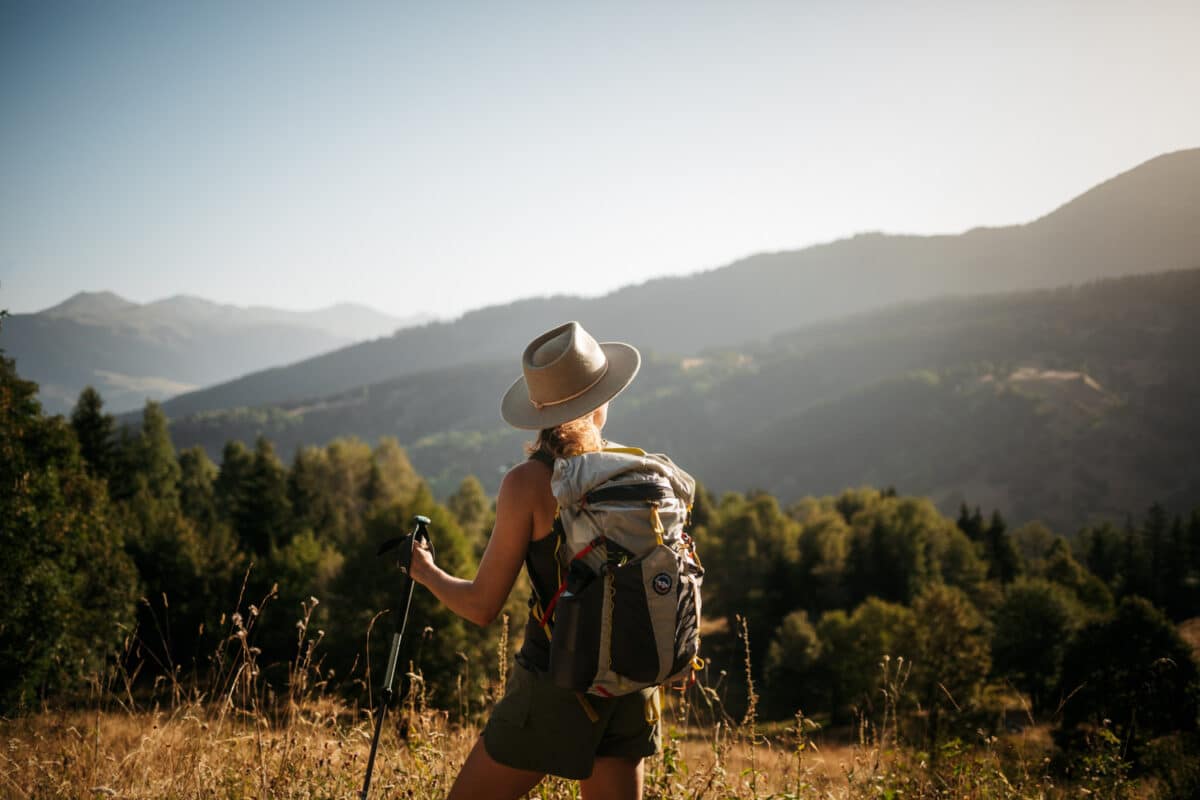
pixel 703 506
pixel 233 480
pixel 971 523
pixel 155 459
pixel 309 494
pixel 1102 552
pixel 197 490
pixel 96 432
pixel 1004 563
pixel 1178 591
pixel 263 520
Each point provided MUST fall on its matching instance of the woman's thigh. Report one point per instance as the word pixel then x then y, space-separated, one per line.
pixel 614 777
pixel 483 778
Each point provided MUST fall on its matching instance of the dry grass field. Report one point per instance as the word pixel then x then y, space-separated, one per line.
pixel 240 739
pixel 318 749
pixel 191 752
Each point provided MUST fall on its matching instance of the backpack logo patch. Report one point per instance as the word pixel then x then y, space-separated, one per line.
pixel 662 583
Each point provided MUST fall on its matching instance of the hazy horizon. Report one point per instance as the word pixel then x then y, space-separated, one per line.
pixel 438 160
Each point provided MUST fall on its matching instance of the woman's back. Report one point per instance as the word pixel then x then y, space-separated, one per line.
pixel 538 728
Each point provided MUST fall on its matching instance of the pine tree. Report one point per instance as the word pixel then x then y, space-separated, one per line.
pixel 96 432
pixel 263 518
pixel 1004 563
pixel 197 492
pixel 157 462
pixel 1102 553
pixel 971 523
pixel 232 480
pixel 1177 593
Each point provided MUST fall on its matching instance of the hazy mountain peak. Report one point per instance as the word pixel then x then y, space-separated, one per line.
pixel 1172 179
pixel 185 301
pixel 89 305
pixel 131 351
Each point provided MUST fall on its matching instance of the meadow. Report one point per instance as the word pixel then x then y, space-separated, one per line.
pixel 238 736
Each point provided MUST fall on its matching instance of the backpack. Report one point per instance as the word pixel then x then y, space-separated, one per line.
pixel 626 615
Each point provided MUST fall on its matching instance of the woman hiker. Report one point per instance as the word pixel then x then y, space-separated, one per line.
pixel 538 728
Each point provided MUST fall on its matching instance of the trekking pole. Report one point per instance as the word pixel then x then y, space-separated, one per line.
pixel 406 545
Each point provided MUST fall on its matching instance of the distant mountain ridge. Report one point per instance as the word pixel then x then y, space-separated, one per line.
pixel 1143 221
pixel 131 351
pixel 349 321
pixel 1066 405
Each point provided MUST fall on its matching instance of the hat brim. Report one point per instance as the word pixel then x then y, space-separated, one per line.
pixel 518 411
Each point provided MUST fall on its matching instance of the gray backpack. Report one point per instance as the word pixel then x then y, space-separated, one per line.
pixel 626 615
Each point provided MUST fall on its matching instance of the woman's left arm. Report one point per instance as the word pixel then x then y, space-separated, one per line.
pixel 481 599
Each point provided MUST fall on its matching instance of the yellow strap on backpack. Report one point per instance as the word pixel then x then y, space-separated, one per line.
pixel 653 709
pixel 629 451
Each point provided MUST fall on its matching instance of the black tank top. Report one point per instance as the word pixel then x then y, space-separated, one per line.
pixel 542 568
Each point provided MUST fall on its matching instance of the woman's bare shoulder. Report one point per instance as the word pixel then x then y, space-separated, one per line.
pixel 527 477
pixel 527 484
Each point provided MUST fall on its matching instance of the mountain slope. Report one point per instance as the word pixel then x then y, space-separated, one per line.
pixel 131 351
pixel 1063 404
pixel 1144 221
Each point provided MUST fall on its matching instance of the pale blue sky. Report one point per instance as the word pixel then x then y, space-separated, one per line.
pixel 445 156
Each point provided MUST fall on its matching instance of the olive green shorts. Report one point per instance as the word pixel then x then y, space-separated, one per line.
pixel 540 727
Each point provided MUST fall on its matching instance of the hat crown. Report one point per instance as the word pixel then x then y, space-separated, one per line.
pixel 562 364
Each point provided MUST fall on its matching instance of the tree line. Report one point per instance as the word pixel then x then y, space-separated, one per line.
pixel 969 614
pixel 120 551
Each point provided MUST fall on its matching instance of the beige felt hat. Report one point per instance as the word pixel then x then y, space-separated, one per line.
pixel 567 375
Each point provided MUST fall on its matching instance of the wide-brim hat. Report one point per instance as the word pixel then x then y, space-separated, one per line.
pixel 567 374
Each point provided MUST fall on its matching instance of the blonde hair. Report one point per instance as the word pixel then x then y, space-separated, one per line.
pixel 569 439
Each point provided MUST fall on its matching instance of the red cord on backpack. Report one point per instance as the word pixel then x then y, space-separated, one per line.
pixel 562 587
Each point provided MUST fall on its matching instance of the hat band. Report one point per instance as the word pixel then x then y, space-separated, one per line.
pixel 580 393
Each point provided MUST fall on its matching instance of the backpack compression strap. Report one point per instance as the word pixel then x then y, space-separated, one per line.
pixel 562 587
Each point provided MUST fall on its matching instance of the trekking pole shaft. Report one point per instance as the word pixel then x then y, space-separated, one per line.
pixel 385 696
pixel 389 678
pixel 374 746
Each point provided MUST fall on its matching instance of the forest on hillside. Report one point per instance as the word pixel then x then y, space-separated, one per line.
pixel 1071 406
pixel 122 553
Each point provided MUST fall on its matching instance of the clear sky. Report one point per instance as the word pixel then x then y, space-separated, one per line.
pixel 443 156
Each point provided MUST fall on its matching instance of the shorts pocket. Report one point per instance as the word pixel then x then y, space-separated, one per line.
pixel 513 708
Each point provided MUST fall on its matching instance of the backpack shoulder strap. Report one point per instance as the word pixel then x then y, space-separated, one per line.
pixel 629 451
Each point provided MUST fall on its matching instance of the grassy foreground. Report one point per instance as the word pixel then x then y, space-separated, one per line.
pixel 317 748
pixel 192 753
pixel 240 738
